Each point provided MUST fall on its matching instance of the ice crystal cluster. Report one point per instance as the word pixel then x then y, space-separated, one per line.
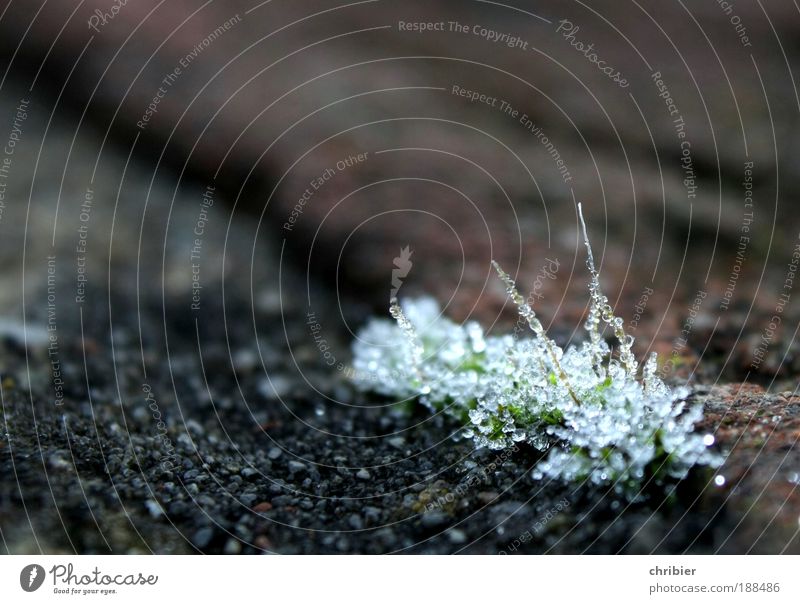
pixel 599 420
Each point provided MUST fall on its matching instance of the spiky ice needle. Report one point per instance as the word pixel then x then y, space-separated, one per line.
pixel 410 334
pixel 533 321
pixel 599 306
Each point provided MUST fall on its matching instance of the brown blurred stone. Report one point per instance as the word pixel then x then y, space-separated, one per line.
pixel 760 431
pixel 291 89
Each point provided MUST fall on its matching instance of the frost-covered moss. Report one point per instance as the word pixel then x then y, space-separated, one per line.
pixel 600 420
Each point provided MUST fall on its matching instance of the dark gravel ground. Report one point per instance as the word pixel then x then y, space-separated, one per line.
pixel 261 462
pixel 297 475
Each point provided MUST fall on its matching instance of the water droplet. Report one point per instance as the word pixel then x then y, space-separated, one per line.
pixel 708 440
pixel 719 480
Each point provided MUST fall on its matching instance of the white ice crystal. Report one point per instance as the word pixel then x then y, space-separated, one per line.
pixel 600 421
pixel 447 365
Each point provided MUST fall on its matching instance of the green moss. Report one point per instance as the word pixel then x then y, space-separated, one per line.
pixel 497 426
pixel 521 415
pixel 605 385
pixel 553 417
pixel 476 363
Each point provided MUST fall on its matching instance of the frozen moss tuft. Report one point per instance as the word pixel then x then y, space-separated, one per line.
pixel 600 421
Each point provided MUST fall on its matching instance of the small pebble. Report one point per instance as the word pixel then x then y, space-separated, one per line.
pixel 372 514
pixel 245 360
pixel 154 508
pixel 296 466
pixel 398 442
pixel 203 537
pixel 276 387
pixel 486 497
pixel 434 519
pixel 233 546
pixel 57 462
